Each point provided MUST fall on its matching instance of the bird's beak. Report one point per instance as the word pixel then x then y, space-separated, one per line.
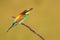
pixel 28 11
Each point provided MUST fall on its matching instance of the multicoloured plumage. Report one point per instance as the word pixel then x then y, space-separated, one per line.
pixel 20 18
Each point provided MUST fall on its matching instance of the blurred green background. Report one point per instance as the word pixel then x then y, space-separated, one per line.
pixel 44 18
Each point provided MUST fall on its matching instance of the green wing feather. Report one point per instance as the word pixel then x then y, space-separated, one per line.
pixel 25 17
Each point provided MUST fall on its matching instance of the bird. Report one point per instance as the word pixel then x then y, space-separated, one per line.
pixel 20 18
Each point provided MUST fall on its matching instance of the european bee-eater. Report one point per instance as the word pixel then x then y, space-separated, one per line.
pixel 20 18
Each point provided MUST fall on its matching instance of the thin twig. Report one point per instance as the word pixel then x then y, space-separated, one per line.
pixel 33 31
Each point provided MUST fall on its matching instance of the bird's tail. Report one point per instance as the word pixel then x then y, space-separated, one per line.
pixel 14 24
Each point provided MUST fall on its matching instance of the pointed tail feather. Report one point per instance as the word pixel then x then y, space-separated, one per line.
pixel 10 27
pixel 14 24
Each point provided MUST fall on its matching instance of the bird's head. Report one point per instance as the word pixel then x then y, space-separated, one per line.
pixel 28 11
